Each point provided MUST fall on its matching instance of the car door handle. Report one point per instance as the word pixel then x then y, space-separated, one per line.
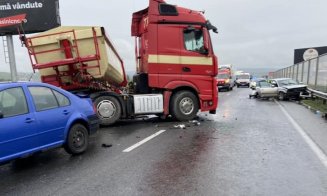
pixel 186 69
pixel 29 120
pixel 65 112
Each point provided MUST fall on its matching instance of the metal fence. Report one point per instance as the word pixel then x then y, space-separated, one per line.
pixel 312 73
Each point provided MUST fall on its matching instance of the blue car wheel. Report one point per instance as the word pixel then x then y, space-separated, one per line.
pixel 77 140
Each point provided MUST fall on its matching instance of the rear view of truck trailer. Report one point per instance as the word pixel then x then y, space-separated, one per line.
pixel 176 64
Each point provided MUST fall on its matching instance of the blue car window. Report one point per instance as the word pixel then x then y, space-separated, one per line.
pixel 62 99
pixel 43 98
pixel 13 102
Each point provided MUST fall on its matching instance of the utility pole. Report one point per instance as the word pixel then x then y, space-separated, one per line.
pixel 12 60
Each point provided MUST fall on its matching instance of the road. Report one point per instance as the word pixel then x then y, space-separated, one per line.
pixel 250 147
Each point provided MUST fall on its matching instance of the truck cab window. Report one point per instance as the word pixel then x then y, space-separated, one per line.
pixel 193 40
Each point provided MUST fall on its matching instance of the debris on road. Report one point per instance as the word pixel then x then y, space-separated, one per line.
pixel 106 145
pixel 195 122
pixel 180 126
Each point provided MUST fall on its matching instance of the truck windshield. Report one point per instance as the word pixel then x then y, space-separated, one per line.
pixel 244 77
pixel 223 76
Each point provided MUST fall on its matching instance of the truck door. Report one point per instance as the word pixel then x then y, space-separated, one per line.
pixel 196 53
pixel 168 58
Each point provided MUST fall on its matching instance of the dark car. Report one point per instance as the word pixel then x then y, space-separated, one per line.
pixel 37 116
pixel 287 88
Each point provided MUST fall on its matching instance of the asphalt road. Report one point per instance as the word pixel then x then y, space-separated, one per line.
pixel 250 147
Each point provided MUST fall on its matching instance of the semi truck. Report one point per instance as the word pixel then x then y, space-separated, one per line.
pixel 175 64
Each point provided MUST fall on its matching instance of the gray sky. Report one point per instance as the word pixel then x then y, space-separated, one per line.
pixel 252 33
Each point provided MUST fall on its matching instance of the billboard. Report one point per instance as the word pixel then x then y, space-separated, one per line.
pixel 34 15
pixel 304 54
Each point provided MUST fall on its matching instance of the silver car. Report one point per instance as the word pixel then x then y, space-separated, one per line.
pixel 264 89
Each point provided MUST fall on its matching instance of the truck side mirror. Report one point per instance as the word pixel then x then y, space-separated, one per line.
pixel 1 114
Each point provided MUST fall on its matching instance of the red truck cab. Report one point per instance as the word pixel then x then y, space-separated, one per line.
pixel 174 54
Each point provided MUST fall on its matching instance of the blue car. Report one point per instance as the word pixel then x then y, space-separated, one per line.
pixel 37 116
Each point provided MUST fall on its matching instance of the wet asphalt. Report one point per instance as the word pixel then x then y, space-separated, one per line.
pixel 248 148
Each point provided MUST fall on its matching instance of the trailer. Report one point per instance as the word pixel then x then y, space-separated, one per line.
pixel 176 65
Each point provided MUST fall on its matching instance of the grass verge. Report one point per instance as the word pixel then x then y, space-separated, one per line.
pixel 316 104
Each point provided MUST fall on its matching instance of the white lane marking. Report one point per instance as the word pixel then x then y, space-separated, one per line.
pixel 320 154
pixel 143 141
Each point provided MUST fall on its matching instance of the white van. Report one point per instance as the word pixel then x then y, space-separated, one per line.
pixel 243 79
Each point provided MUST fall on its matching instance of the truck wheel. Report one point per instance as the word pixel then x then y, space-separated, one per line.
pixel 184 105
pixel 108 109
pixel 77 139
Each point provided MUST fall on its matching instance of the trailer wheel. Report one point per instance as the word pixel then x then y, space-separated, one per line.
pixel 108 109
pixel 184 105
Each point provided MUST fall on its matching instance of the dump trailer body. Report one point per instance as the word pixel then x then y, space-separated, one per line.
pixel 69 56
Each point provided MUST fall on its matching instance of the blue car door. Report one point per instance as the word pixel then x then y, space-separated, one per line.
pixel 53 110
pixel 18 128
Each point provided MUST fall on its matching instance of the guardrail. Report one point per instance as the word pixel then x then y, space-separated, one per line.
pixel 318 94
pixel 312 73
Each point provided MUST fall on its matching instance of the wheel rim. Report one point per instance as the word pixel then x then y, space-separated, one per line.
pixel 106 109
pixel 186 106
pixel 281 96
pixel 78 139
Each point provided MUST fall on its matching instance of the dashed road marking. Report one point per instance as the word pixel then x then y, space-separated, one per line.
pixel 143 141
pixel 314 147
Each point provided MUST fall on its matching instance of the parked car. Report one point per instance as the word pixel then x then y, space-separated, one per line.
pixel 37 116
pixel 264 89
pixel 288 88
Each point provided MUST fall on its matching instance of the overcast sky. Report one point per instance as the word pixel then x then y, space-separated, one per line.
pixel 252 33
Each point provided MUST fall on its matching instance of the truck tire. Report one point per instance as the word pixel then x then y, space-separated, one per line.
pixel 184 105
pixel 77 139
pixel 108 109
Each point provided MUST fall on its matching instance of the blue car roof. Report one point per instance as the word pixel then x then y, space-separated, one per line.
pixel 14 84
